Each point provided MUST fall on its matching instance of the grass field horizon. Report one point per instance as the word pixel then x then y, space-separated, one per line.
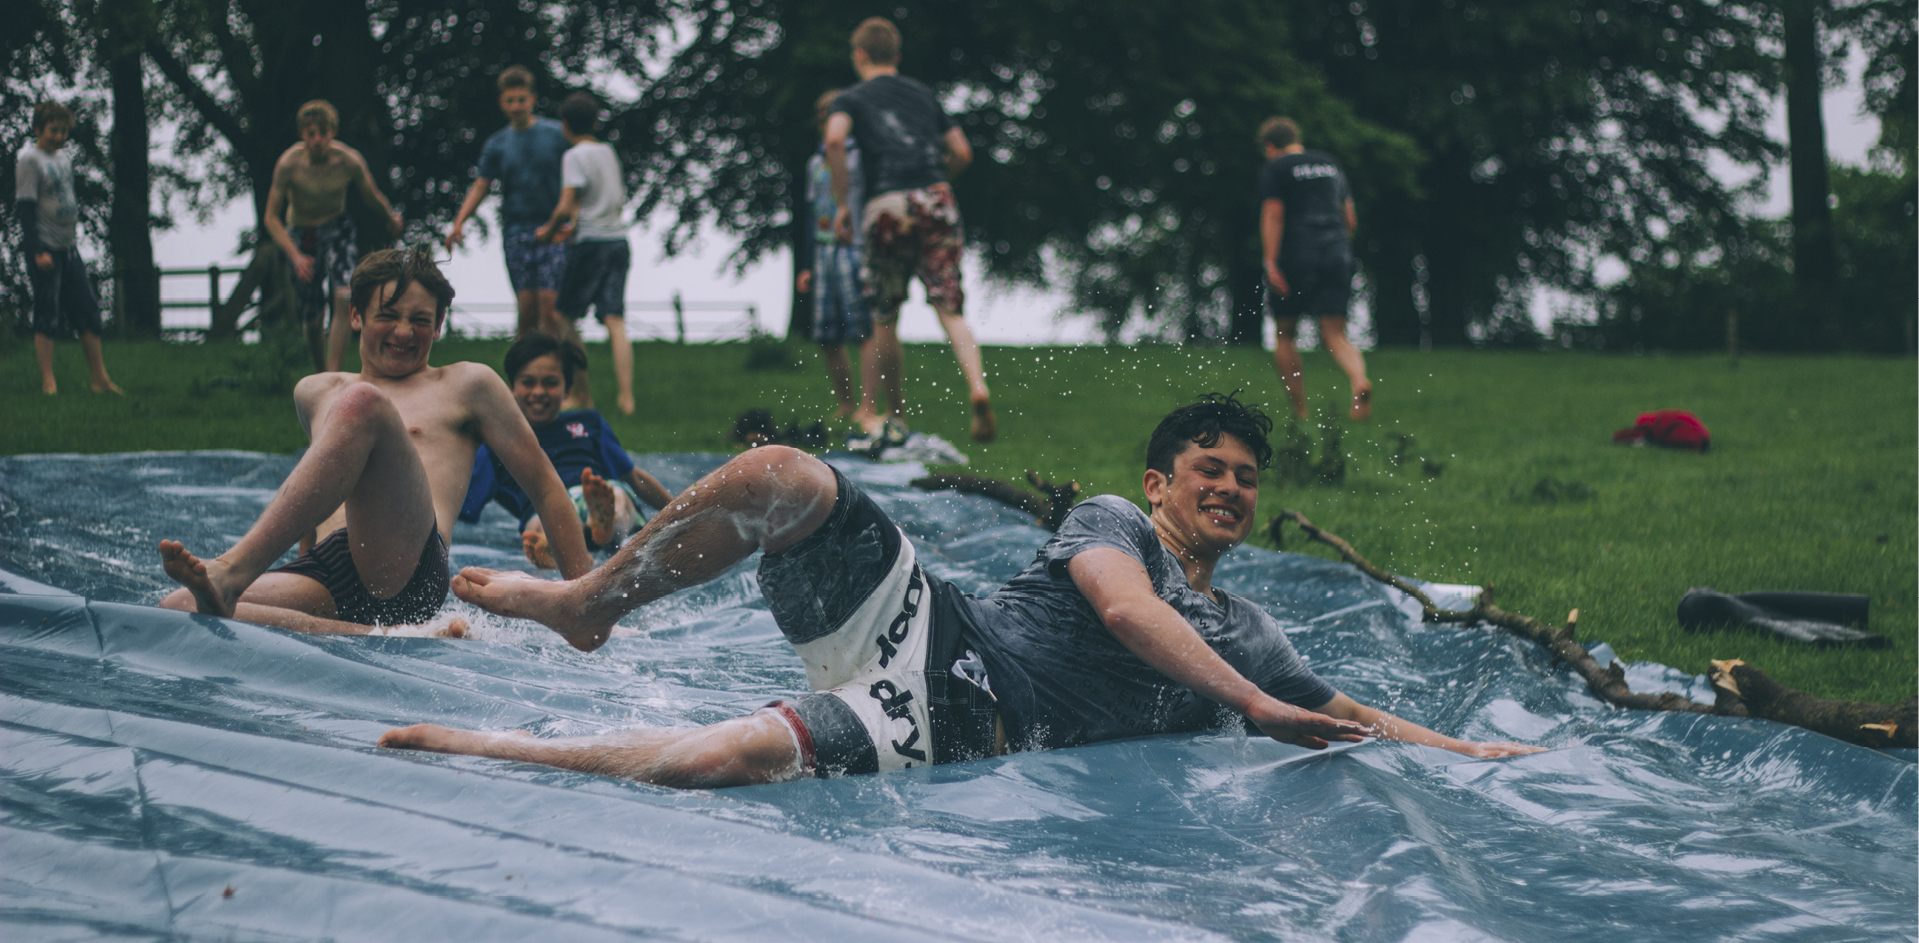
pixel 1509 476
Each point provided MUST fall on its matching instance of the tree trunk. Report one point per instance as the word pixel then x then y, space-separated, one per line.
pixel 1389 273
pixel 1447 292
pixel 1814 265
pixel 1245 279
pixel 799 319
pixel 130 222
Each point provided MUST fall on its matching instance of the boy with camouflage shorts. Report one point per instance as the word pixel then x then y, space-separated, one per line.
pixel 911 224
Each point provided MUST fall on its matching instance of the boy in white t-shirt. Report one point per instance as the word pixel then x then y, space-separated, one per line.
pixel 49 218
pixel 590 219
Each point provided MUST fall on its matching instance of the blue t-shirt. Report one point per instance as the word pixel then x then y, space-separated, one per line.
pixel 526 165
pixel 1061 677
pixel 574 441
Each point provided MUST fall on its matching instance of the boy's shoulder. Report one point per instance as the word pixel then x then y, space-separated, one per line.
pixel 31 156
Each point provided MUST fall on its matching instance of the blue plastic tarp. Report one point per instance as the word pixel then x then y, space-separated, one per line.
pixel 174 776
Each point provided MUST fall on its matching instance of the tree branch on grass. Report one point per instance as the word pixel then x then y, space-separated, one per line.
pixel 1741 690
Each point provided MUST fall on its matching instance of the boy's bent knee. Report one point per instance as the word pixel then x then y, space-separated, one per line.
pixel 359 400
pixel 775 459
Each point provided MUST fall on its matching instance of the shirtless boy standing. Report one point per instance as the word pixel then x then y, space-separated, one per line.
pixel 392 451
pixel 306 215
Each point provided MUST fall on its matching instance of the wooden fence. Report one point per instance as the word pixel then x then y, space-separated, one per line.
pixel 675 319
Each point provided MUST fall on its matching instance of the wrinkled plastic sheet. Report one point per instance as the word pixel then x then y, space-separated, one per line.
pixel 172 776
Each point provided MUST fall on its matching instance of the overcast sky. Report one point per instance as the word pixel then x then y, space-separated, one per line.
pixel 998 315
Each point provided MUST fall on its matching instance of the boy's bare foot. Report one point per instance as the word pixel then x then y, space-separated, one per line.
pixel 1363 402
pixel 626 403
pixel 600 509
pixel 537 551
pixel 985 427
pixel 110 387
pixel 521 596
pixel 434 738
pixel 202 578
pixel 50 388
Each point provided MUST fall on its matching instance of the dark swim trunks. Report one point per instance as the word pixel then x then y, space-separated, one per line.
pixel 330 563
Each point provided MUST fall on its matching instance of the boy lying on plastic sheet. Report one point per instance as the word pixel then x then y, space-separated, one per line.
pixel 1115 630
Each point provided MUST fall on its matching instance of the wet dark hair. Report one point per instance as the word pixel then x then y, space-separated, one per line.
pixel 1202 423
pixel 581 112
pixel 531 347
pixel 405 266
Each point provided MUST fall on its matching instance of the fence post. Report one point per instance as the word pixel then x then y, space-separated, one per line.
pixel 213 292
pixel 753 317
pixel 679 316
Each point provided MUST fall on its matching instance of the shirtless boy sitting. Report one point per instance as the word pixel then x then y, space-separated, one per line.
pixel 392 450
pixel 311 179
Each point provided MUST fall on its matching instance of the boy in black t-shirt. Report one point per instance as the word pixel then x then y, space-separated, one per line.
pixel 1115 630
pixel 1306 224
pixel 910 225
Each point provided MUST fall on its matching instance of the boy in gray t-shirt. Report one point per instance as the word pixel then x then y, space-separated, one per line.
pixel 49 226
pixel 590 219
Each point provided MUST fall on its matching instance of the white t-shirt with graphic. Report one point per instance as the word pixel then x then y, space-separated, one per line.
pixel 47 179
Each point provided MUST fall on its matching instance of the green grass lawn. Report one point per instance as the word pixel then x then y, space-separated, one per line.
pixel 1810 483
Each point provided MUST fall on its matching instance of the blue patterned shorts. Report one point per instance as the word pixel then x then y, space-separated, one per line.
pixel 839 313
pixel 532 265
pixel 332 246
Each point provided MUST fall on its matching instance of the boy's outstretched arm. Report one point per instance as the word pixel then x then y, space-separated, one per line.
pixel 1388 727
pixel 275 220
pixel 563 214
pixel 456 234
pixel 1120 592
pixel 370 191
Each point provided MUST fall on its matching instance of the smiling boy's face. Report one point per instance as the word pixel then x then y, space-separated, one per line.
pixel 397 335
pixel 53 135
pixel 1210 498
pixel 517 105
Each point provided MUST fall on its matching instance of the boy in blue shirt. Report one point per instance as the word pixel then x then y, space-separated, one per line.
pixel 524 158
pixel 588 457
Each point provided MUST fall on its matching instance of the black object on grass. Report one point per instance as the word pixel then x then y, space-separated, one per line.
pixel 1814 618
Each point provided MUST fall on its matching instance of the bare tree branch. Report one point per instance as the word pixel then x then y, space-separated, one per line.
pixel 1741 690
pixel 202 101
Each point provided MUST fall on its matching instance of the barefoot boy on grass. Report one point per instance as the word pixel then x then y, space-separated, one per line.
pixel 49 223
pixel 523 159
pixel 382 482
pixel 605 486
pixel 590 220
pixel 306 215
pixel 830 271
